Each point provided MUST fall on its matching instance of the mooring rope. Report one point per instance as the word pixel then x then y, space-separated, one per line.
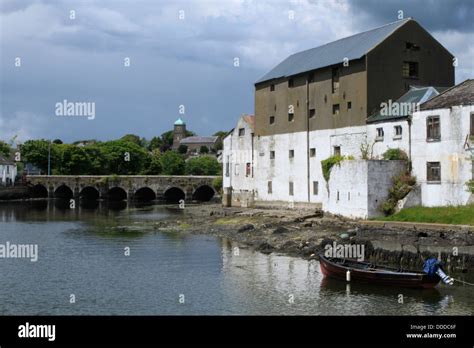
pixel 462 281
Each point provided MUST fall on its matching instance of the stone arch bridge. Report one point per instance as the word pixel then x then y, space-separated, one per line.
pixel 123 187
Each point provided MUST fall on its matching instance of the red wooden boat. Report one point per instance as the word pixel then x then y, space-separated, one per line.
pixel 369 273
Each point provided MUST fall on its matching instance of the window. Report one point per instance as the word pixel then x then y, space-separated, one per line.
pixel 291 83
pixel 433 171
pixel 380 134
pixel 272 119
pixel 227 167
pixel 291 188
pixel 312 152
pixel 236 169
pixel 411 46
pixel 337 150
pixel 248 169
pixel 398 130
pixel 291 153
pixel 269 184
pixel 410 69
pixel 335 109
pixel 272 154
pixel 312 113
pixel 291 117
pixel 433 131
pixel 272 88
pixel 241 132
pixel 335 80
pixel 472 125
pixel 315 188
pixel 349 105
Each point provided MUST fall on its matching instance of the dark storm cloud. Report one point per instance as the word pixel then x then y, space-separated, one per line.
pixel 435 15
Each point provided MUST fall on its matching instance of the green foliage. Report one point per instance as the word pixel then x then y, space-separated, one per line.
pixel 155 167
pixel 155 143
pixel 57 141
pixel 172 163
pixel 460 215
pixel 367 150
pixel 330 162
pixel 182 149
pixel 72 160
pixel 395 154
pixel 133 139
pixel 36 152
pixel 402 185
pixel 4 149
pixel 217 184
pixel 470 186
pixel 114 153
pixel 204 165
pixel 204 149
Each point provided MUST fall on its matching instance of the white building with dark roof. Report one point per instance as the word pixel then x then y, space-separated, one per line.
pixel 8 172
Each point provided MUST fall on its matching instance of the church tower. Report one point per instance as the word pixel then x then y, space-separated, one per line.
pixel 179 133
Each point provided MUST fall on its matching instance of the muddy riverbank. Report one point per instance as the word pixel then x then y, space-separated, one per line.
pixel 304 233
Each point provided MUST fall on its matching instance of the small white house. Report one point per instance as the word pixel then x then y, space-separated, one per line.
pixel 238 163
pixel 442 146
pixel 8 172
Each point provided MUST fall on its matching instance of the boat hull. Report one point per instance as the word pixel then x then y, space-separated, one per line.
pixel 337 268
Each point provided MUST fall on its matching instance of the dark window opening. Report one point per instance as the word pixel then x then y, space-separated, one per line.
pixel 291 191
pixel 312 113
pixel 337 150
pixel 411 46
pixel 433 171
pixel 433 128
pixel 272 154
pixel 410 69
pixel 315 188
pixel 272 119
pixel 291 117
pixel 335 109
pixel 349 105
pixel 272 88
pixel 269 187
pixel 380 134
pixel 291 153
pixel 398 131
pixel 248 169
pixel 291 83
pixel 241 132
pixel 312 152
pixel 472 125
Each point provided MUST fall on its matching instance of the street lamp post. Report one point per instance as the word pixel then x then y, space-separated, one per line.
pixel 49 158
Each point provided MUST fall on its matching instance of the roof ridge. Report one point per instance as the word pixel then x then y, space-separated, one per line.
pixel 353 35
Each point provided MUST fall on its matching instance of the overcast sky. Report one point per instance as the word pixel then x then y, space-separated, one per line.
pixel 177 61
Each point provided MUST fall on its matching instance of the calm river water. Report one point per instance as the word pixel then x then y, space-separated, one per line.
pixel 81 252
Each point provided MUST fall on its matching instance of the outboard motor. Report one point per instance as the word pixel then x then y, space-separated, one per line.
pixel 433 267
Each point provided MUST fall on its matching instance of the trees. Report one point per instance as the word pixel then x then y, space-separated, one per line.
pixel 182 149
pixel 172 163
pixel 124 157
pixel 4 149
pixel 133 139
pixel 204 165
pixel 204 149
pixel 155 143
pixel 36 152
pixel 154 168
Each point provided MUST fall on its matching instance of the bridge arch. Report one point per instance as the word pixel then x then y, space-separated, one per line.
pixel 64 192
pixel 116 194
pixel 145 194
pixel 174 194
pixel 89 193
pixel 203 193
pixel 39 191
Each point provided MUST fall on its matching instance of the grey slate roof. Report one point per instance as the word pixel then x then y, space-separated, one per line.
pixel 352 47
pixel 198 140
pixel 414 95
pixel 462 94
pixel 6 161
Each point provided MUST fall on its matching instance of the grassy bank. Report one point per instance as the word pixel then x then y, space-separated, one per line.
pixel 456 215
